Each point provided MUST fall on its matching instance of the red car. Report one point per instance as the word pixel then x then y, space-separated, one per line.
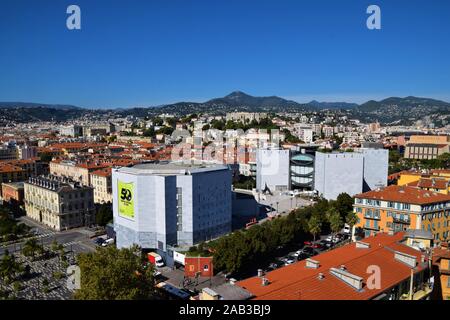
pixel 315 245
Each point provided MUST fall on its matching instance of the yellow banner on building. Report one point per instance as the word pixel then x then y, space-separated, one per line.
pixel 125 193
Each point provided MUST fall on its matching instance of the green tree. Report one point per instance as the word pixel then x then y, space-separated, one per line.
pixel 336 221
pixel 314 226
pixel 31 247
pixel 104 214
pixel 46 157
pixel 9 267
pixel 115 274
pixel 351 219
pixel 343 204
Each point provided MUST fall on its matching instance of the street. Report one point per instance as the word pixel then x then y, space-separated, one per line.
pixel 76 240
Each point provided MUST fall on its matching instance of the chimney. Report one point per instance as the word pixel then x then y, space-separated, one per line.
pixel 313 264
pixel 352 280
pixel 362 245
pixel 320 276
pixel 260 273
pixel 407 259
pixel 265 281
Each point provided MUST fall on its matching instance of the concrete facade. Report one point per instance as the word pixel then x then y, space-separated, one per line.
pixel 174 205
pixel 350 172
pixel 335 173
pixel 272 169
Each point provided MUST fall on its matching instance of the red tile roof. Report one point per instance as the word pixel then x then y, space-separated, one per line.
pixel 432 183
pixel 296 282
pixel 103 172
pixel 405 194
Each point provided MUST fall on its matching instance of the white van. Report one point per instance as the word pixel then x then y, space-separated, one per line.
pixel 347 229
pixel 107 242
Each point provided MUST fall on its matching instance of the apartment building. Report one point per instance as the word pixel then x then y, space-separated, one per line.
pixel 246 117
pixel 427 147
pixel 10 173
pixel 71 130
pixel 59 203
pixel 101 181
pixel 8 152
pixel 441 261
pixel 344 274
pixel 398 208
pixel 434 180
pixel 79 172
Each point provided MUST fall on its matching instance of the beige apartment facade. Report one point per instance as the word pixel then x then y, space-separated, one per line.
pixel 58 203
pixel 101 181
pixel 79 172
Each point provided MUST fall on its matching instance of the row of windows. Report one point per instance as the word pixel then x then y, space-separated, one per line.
pixel 399 216
pixel 435 206
pixel 433 225
pixel 372 213
pixel 377 203
pixel 435 215
pixel 398 205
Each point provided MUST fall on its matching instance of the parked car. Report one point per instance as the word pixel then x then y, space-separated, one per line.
pixel 326 244
pixel 275 265
pixel 309 251
pixel 98 241
pixel 107 242
pixel 302 256
pixel 332 239
pixel 289 260
pixel 297 253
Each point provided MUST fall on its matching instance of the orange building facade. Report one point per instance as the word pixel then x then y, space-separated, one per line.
pixel 398 208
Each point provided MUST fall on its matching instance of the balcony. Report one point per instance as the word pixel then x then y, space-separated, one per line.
pixel 444 271
pixel 372 228
pixel 372 217
pixel 404 221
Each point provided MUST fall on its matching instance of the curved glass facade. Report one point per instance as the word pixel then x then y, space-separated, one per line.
pixel 302 171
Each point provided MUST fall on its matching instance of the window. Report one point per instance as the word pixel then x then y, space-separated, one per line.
pixel 205 267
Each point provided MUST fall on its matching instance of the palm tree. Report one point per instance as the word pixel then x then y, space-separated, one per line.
pixel 351 219
pixel 314 226
pixel 9 267
pixel 336 222
pixel 31 247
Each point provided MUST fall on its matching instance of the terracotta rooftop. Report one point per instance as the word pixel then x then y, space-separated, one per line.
pixel 9 168
pixel 432 183
pixel 106 172
pixel 297 282
pixel 405 194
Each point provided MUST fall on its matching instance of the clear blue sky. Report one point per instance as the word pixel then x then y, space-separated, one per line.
pixel 140 53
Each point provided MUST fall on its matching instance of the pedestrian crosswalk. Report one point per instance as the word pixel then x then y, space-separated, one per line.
pixel 45 235
pixel 68 244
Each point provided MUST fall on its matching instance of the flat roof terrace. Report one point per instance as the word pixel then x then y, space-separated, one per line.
pixel 171 168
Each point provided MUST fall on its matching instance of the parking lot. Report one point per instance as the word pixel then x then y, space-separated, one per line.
pixel 309 249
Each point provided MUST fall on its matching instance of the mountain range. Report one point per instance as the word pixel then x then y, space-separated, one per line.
pixel 390 110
